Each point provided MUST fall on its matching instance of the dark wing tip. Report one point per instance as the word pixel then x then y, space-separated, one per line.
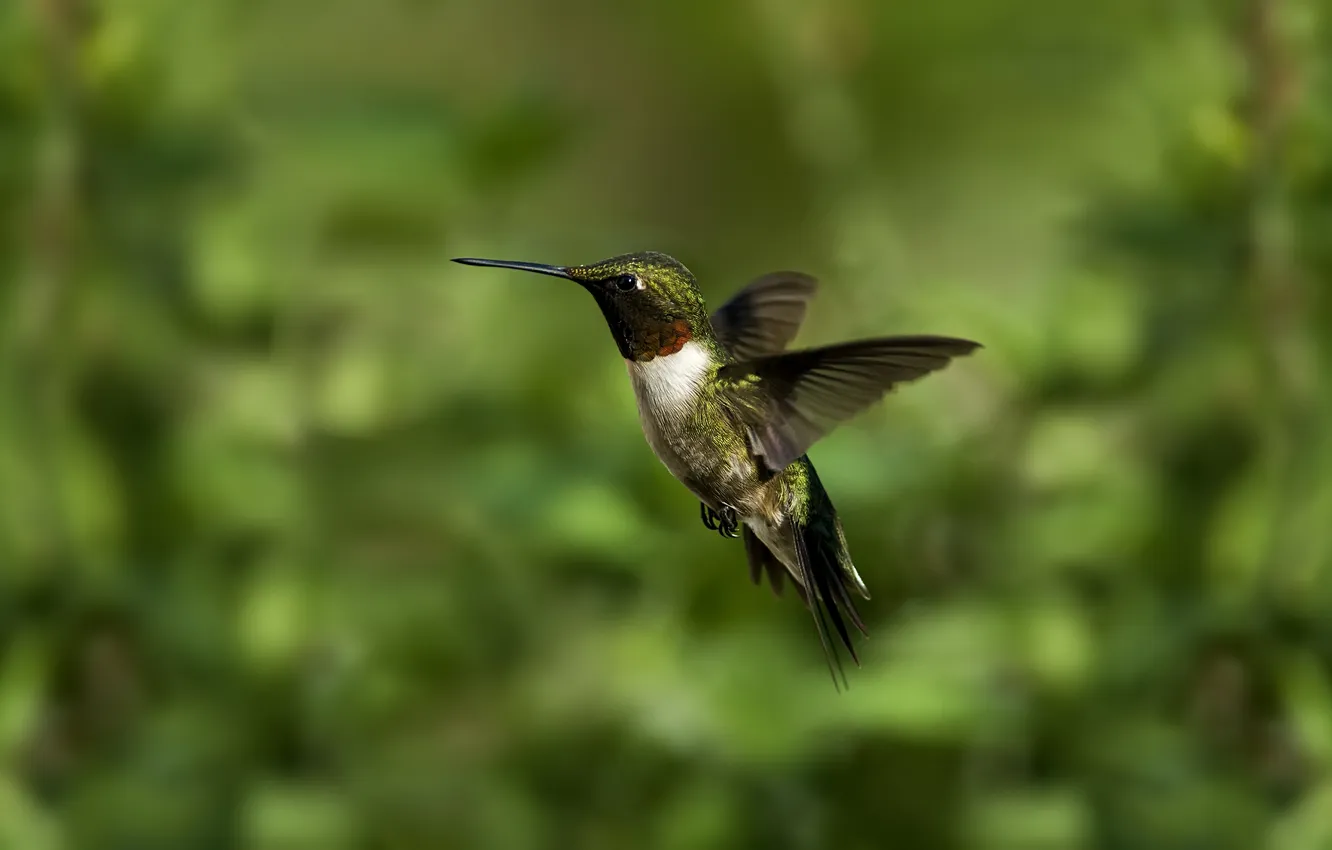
pixel 952 346
pixel 965 347
pixel 789 280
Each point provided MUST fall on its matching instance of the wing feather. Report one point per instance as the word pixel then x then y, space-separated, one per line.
pixel 764 317
pixel 790 400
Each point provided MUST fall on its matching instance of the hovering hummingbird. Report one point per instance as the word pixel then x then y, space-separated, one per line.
pixel 731 413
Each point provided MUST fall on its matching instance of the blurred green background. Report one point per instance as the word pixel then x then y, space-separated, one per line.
pixel 312 540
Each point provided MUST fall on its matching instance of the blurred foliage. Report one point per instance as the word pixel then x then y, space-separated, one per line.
pixel 315 540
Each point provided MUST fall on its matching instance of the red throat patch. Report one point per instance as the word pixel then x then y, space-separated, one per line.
pixel 663 340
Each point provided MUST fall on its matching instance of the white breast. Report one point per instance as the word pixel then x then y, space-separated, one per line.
pixel 671 382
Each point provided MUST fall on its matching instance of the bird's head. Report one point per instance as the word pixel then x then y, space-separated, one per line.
pixel 650 300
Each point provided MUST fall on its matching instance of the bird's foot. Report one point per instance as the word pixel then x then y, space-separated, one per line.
pixel 709 518
pixel 726 523
pixel 729 526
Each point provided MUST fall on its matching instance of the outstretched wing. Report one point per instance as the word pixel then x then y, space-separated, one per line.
pixel 790 400
pixel 763 317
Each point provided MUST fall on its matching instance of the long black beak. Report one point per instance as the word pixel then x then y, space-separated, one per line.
pixel 553 271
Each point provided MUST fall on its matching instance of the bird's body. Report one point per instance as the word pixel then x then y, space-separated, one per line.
pixel 730 412
pixel 698 433
pixel 693 431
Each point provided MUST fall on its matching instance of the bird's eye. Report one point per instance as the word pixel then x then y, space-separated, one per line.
pixel 627 283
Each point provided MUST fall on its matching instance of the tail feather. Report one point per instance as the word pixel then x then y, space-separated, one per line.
pixel 761 561
pixel 812 549
pixel 827 595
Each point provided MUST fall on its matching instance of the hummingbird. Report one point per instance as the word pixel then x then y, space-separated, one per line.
pixel 731 412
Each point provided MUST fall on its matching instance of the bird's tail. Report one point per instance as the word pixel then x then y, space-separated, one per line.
pixel 828 578
pixel 824 575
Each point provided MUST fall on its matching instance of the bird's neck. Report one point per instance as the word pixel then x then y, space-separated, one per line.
pixel 664 337
pixel 646 331
pixel 671 383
